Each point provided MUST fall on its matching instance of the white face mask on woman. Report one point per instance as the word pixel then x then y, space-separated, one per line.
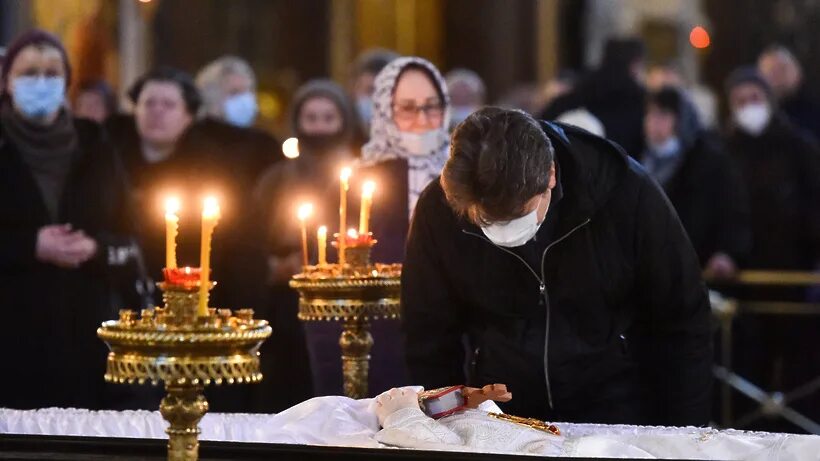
pixel 516 232
pixel 420 143
pixel 753 118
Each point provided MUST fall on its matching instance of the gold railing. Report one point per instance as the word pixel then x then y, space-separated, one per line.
pixel 726 310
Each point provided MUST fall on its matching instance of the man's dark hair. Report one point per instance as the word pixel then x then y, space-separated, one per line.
pixel 499 160
pixel 190 93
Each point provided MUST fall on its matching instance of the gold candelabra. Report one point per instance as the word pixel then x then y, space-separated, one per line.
pixel 353 293
pixel 186 351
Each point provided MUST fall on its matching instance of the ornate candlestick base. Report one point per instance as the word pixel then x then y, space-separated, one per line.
pixel 187 352
pixel 354 295
pixel 183 407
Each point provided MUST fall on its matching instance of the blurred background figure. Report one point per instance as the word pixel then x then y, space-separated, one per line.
pixel 168 152
pixel 783 73
pixel 613 93
pixel 699 179
pixel 95 100
pixel 64 231
pixel 583 118
pixel 324 123
pixel 409 144
pixel 702 98
pixel 467 94
pixel 229 109
pixel 780 169
pixel 362 78
pixel 228 88
pixel 525 96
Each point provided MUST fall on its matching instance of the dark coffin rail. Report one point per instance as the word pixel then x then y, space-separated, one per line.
pixel 40 447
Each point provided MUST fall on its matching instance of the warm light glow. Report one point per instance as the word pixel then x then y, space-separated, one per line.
pixel 322 231
pixel 304 212
pixel 345 174
pixel 351 233
pixel 368 188
pixel 699 37
pixel 172 205
pixel 291 148
pixel 210 208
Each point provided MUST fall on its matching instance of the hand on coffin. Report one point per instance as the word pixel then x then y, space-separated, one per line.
pixel 495 392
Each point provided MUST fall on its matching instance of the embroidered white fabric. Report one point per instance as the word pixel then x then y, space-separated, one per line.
pixel 340 421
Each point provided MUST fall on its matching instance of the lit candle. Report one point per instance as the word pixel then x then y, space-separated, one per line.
pixel 367 202
pixel 321 237
pixel 344 185
pixel 172 207
pixel 210 216
pixel 352 234
pixel 303 213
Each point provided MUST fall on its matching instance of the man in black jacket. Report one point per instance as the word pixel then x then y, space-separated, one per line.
pixel 568 271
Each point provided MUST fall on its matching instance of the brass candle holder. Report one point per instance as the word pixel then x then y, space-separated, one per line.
pixel 354 293
pixel 187 352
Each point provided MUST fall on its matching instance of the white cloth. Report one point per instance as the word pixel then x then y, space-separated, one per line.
pixel 339 421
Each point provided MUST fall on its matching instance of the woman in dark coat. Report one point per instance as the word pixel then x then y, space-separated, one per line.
pixel 63 225
pixel 167 151
pixel 700 180
pixel 323 122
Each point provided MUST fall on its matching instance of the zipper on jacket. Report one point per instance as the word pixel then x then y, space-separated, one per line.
pixel 542 288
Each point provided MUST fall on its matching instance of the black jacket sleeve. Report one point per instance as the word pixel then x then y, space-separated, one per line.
pixel 432 320
pixel 673 299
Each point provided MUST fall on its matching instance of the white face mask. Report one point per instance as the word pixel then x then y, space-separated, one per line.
pixel 420 143
pixel 753 118
pixel 516 232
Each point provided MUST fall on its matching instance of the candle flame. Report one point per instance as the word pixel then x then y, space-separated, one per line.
pixel 291 148
pixel 368 188
pixel 353 234
pixel 172 205
pixel 345 174
pixel 323 230
pixel 305 210
pixel 210 208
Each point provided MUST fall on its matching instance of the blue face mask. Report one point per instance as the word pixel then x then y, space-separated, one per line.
pixel 240 109
pixel 38 97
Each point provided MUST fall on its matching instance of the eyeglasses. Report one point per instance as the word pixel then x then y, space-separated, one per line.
pixel 406 112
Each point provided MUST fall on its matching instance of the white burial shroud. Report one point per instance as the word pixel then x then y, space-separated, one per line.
pixel 339 421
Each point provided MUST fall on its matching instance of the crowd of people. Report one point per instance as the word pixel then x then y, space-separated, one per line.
pixel 82 234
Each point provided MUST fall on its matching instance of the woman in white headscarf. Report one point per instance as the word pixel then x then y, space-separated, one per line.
pixel 408 147
pixel 409 144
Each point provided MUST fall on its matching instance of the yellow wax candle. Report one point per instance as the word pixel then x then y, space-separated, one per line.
pixel 321 237
pixel 172 207
pixel 303 213
pixel 344 186
pixel 210 216
pixel 367 202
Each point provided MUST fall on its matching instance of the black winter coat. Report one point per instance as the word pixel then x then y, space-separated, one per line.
pixel 781 172
pixel 52 356
pixel 617 315
pixel 710 199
